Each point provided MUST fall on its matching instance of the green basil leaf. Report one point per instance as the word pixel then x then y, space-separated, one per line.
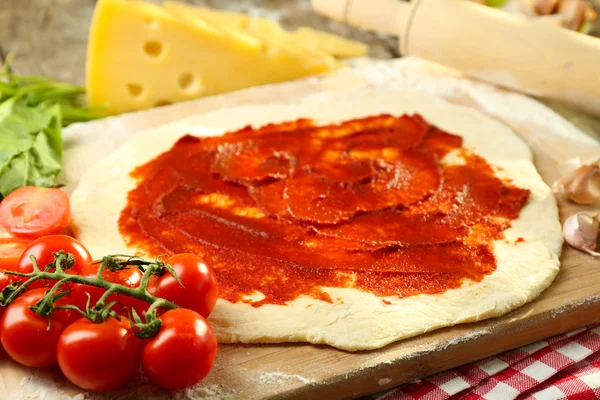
pixel 33 109
pixel 19 126
pixel 38 163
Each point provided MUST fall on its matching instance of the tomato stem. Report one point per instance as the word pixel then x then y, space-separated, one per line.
pixel 154 306
pixel 100 312
pixel 63 277
pixel 102 299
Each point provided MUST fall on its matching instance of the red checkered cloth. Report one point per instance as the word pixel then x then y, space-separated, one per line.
pixel 563 367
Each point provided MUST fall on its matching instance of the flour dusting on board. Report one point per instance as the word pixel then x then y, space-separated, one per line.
pixel 419 351
pixel 461 339
pixel 582 302
pixel 428 347
pixel 44 386
pixel 41 387
pixel 280 378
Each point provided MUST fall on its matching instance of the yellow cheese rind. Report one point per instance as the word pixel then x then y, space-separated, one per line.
pixel 308 38
pixel 140 56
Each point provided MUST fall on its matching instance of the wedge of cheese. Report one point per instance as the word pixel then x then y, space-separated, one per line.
pixel 223 19
pixel 335 45
pixel 309 38
pixel 140 55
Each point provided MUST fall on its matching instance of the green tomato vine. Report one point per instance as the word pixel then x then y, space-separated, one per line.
pixel 99 312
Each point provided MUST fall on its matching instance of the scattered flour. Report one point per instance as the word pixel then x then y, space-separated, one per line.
pixel 383 381
pixel 213 392
pixel 280 378
pixel 576 304
pixel 427 348
pixel 46 386
pixel 39 386
pixel 461 339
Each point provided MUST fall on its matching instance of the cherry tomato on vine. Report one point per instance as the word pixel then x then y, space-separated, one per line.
pixel 43 248
pixel 33 212
pixel 28 338
pixel 182 353
pixel 130 277
pixel 99 356
pixel 10 252
pixel 199 291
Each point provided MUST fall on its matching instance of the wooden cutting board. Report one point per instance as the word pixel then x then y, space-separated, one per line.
pixel 305 371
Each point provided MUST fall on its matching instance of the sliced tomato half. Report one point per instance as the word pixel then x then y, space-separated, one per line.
pixel 32 212
pixel 10 252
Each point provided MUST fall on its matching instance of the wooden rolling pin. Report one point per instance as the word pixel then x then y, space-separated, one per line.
pixel 509 50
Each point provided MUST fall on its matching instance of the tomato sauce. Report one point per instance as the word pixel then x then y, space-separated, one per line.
pixel 287 209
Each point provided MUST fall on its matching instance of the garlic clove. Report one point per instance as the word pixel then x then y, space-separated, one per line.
pixel 575 13
pixel 568 166
pixel 538 7
pixel 581 186
pixel 527 8
pixel 581 232
pixel 545 7
pixel 591 14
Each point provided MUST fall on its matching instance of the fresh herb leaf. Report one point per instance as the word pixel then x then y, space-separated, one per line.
pixel 38 158
pixel 33 109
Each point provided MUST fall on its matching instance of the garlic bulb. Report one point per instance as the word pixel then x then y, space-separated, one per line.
pixel 582 185
pixel 568 166
pixel 577 15
pixel 574 14
pixel 581 232
pixel 538 7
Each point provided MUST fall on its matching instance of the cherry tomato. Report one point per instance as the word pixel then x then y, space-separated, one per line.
pixel 130 277
pixel 199 291
pixel 31 339
pixel 10 252
pixel 43 248
pixel 182 353
pixel 33 212
pixel 99 357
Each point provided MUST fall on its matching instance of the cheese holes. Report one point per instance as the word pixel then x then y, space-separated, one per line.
pixel 186 80
pixel 189 83
pixel 134 89
pixel 267 50
pixel 153 48
pixel 162 102
pixel 151 23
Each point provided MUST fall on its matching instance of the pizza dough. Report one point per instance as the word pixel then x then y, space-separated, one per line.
pixel 356 320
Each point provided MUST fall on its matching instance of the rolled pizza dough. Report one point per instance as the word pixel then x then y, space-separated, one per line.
pixel 356 320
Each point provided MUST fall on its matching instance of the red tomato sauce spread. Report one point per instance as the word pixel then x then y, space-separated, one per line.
pixel 286 209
